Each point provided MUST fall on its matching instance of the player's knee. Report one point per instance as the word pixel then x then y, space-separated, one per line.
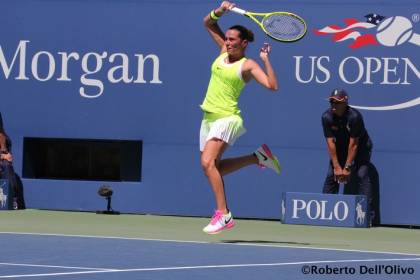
pixel 208 164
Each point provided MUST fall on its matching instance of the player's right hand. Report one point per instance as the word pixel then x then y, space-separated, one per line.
pixel 227 6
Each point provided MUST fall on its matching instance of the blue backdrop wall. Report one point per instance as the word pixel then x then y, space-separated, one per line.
pixel 138 70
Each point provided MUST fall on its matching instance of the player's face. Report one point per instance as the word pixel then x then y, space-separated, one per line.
pixel 234 43
pixel 338 108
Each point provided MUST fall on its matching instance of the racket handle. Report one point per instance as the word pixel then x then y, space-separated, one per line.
pixel 238 11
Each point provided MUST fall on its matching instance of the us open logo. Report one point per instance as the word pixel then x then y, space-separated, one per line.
pixel 377 30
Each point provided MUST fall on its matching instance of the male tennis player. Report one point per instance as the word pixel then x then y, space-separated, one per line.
pixel 222 123
pixel 349 147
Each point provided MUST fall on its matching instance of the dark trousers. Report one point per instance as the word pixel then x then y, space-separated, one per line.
pixel 7 172
pixel 360 182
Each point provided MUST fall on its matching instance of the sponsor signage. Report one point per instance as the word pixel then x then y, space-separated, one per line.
pixel 116 66
pixel 324 209
pixel 376 34
pixel 136 79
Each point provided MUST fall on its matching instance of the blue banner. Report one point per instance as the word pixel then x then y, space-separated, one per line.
pixel 138 70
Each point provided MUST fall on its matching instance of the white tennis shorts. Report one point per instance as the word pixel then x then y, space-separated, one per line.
pixel 228 129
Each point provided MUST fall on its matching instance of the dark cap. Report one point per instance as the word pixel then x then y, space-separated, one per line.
pixel 339 95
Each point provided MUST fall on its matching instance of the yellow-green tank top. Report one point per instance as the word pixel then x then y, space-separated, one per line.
pixel 224 88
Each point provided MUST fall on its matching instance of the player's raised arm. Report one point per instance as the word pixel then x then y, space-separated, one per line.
pixel 210 22
pixel 266 78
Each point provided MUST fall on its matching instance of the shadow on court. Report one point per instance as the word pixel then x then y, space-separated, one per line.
pixel 267 242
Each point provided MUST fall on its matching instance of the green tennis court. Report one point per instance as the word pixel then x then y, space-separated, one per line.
pixel 384 239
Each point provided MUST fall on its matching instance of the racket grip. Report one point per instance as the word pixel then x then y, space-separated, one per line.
pixel 238 11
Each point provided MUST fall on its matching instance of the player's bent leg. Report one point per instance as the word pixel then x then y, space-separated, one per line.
pixel 230 165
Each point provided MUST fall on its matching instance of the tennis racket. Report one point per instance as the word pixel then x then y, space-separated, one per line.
pixel 281 26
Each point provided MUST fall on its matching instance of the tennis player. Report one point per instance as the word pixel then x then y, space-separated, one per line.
pixel 222 123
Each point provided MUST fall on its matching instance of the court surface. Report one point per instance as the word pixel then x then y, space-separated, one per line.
pixel 38 244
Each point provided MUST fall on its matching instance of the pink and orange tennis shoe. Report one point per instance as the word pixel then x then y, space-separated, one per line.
pixel 267 159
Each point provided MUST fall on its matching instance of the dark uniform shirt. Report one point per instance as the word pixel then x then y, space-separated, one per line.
pixel 8 141
pixel 342 128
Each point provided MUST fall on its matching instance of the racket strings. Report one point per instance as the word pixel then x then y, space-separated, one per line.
pixel 284 27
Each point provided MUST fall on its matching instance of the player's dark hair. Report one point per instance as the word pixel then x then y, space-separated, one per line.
pixel 244 33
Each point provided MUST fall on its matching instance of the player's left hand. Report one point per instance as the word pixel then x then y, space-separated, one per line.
pixel 265 50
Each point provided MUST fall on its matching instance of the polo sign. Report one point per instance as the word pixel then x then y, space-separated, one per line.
pixel 325 209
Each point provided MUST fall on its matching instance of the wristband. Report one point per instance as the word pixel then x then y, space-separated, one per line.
pixel 213 16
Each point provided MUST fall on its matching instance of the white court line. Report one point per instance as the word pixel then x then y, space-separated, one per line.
pixel 206 267
pixel 212 243
pixel 53 266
